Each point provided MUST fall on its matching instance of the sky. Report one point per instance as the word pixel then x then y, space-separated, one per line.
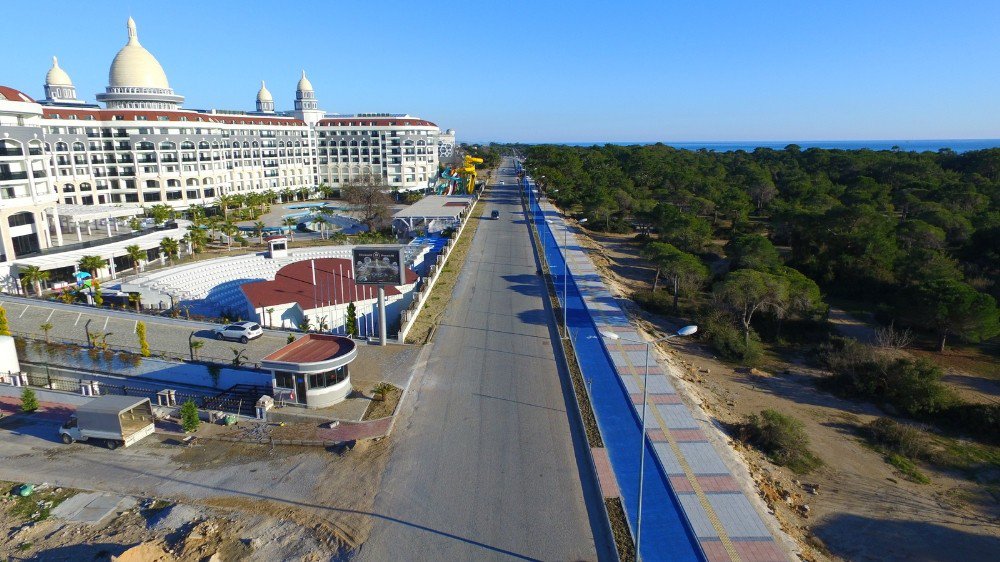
pixel 548 71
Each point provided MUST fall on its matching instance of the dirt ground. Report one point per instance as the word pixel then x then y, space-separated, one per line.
pixel 855 507
pixel 152 530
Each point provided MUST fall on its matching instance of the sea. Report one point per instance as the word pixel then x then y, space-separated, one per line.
pixel 957 145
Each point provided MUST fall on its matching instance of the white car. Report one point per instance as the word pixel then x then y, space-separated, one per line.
pixel 242 331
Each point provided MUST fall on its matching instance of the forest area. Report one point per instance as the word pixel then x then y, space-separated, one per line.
pixel 755 247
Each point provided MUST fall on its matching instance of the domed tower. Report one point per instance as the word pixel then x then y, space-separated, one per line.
pixel 265 102
pixel 305 97
pixel 306 106
pixel 136 79
pixel 58 87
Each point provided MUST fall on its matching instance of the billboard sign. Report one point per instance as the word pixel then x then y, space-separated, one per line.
pixel 379 265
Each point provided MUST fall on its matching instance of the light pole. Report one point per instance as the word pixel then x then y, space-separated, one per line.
pixel 565 253
pixel 685 331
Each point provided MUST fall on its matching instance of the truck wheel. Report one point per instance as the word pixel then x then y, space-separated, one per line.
pixel 67 439
pixel 112 444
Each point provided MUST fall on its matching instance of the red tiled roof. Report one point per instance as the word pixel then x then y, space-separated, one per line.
pixel 11 94
pixel 154 115
pixel 313 348
pixel 378 122
pixel 334 285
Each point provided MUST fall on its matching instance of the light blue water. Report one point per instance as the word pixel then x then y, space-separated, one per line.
pixel 957 145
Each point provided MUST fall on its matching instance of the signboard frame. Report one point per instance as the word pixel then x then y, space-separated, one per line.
pixel 393 274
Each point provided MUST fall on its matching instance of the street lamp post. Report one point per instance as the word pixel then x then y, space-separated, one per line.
pixel 685 331
pixel 565 254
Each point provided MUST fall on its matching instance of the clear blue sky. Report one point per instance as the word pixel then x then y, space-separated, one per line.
pixel 536 71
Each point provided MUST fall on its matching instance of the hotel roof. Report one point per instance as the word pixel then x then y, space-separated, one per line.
pixel 163 115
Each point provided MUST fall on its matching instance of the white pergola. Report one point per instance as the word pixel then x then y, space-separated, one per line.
pixel 85 216
pixel 108 251
pixel 434 207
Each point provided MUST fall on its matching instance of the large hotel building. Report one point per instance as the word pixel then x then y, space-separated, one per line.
pixel 141 148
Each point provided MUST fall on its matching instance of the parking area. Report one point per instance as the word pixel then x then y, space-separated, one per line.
pixel 166 336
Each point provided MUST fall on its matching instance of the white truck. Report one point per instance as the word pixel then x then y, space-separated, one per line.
pixel 119 421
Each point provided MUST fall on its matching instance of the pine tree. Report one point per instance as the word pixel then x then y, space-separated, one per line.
pixel 189 416
pixel 352 320
pixel 29 402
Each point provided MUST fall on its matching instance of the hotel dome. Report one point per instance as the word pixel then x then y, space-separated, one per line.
pixel 135 66
pixel 136 80
pixel 56 76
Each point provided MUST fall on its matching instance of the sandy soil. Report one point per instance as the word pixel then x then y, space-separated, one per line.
pixel 856 506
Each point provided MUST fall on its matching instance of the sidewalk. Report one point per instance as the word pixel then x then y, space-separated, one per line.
pixel 683 469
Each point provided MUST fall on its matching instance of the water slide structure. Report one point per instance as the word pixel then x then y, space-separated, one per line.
pixel 454 180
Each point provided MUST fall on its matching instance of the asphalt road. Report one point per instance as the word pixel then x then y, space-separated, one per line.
pixel 486 463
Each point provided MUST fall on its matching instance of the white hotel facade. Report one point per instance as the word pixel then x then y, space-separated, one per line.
pixel 143 149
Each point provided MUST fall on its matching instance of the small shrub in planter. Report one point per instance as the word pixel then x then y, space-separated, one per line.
pixel 29 402
pixel 382 390
pixel 189 416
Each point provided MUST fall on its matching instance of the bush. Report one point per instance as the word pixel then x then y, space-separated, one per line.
pixel 728 340
pixel 888 435
pixel 782 438
pixel 29 402
pixel 658 302
pixel 977 420
pixel 140 331
pixel 189 416
pixel 911 386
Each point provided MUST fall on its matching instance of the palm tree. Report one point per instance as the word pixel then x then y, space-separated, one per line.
pixel 92 264
pixel 33 276
pixel 225 202
pixel 229 228
pixel 136 254
pixel 287 194
pixel 197 237
pixel 197 213
pixel 195 346
pixel 322 222
pixel 45 328
pixel 303 193
pixel 291 223
pixel 136 299
pixel 258 230
pixel 169 247
pixel 213 224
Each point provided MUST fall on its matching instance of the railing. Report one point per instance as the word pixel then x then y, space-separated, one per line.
pixel 101 242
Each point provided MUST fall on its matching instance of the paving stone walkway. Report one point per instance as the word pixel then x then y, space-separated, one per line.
pixel 727 525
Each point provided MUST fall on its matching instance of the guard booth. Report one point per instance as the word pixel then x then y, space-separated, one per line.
pixel 313 371
pixel 277 246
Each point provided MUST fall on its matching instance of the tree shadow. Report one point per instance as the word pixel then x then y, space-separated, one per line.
pixel 862 538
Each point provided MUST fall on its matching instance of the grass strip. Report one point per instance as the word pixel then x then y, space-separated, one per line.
pixel 422 330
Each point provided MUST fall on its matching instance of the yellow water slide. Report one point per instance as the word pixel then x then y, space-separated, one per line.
pixel 468 172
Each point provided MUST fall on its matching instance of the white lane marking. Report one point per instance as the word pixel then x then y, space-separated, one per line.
pixel 135 327
pixel 26 307
pixel 106 320
pixel 78 315
pixel 51 312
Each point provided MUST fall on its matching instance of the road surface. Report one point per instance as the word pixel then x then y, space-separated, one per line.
pixel 484 465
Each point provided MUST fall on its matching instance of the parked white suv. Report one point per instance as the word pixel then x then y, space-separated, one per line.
pixel 242 331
